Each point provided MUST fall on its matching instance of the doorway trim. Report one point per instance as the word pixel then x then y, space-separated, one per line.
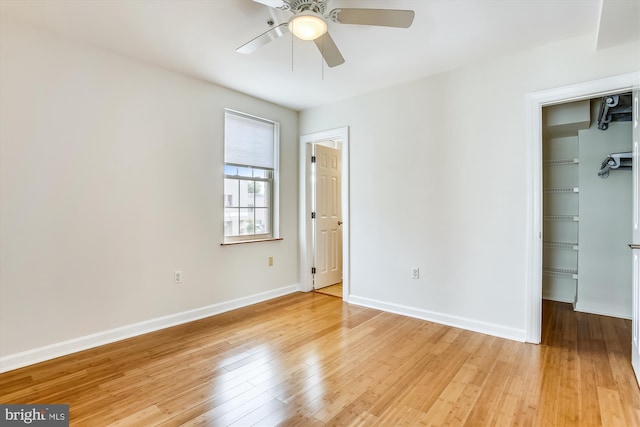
pixel 534 103
pixel 305 203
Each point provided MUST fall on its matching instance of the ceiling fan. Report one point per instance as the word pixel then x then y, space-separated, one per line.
pixel 309 22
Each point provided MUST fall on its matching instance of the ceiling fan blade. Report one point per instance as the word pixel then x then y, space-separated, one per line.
pixel 264 38
pixel 329 50
pixel 379 17
pixel 276 4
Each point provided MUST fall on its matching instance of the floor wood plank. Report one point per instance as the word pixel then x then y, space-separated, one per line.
pixel 309 359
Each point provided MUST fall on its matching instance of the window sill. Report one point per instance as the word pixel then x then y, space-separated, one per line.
pixel 241 242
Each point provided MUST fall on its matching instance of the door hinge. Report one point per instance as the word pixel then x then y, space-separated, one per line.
pixel 313 159
pixel 313 270
pixel 313 215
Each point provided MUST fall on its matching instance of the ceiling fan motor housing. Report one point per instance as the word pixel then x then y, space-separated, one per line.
pixel 316 6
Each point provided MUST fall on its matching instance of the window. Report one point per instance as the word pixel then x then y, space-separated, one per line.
pixel 250 177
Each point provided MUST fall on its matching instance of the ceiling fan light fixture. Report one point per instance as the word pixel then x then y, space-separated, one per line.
pixel 307 25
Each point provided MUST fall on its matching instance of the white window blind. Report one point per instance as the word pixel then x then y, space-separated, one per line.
pixel 248 141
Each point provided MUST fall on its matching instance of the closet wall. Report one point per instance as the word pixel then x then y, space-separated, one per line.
pixel 587 219
pixel 605 283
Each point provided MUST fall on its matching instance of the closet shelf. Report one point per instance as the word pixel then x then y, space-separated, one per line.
pixel 563 273
pixel 561 245
pixel 561 190
pixel 562 162
pixel 573 218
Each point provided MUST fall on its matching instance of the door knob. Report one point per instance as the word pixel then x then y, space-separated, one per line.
pixel 339 222
pixel 632 246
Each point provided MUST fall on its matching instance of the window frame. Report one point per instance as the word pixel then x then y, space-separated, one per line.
pixel 273 207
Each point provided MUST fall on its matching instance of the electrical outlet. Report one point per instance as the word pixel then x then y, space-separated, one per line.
pixel 177 276
pixel 270 261
pixel 415 273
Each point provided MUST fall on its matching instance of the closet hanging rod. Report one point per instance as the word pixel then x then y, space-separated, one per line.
pixel 614 108
pixel 620 161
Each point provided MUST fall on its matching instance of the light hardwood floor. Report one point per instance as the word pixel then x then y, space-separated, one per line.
pixel 308 359
pixel 333 290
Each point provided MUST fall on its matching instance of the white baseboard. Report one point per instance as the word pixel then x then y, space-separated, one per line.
pixel 603 310
pixel 445 319
pixel 29 357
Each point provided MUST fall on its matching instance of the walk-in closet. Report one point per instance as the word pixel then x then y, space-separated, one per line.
pixel 587 204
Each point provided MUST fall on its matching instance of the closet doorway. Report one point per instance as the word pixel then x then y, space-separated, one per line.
pixel 536 102
pixel 587 204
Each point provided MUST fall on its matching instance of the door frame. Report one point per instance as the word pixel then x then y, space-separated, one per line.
pixel 305 204
pixel 534 103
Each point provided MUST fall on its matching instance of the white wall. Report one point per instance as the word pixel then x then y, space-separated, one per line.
pixel 111 179
pixel 439 180
pixel 604 259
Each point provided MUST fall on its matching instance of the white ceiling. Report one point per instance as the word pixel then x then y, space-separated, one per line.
pixel 199 38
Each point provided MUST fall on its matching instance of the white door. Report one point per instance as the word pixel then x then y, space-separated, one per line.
pixel 328 217
pixel 635 315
